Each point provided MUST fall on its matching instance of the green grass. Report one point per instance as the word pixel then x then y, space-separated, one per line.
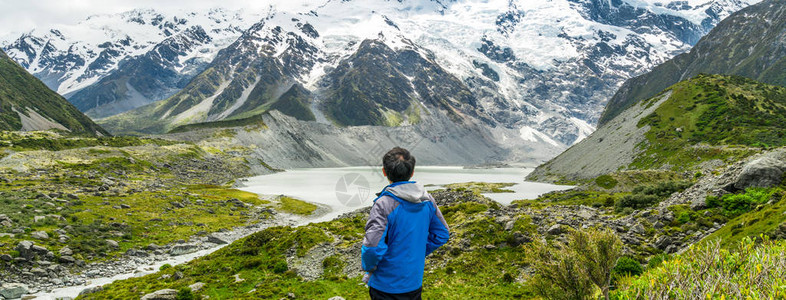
pixel 747 271
pixel 295 206
pixel 451 273
pixel 21 91
pixel 763 219
pixel 481 187
pixel 712 117
pixel 126 189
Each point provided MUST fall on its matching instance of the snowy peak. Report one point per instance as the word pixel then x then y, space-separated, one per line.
pixel 71 57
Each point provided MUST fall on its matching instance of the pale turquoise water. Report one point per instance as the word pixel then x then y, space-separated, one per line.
pixel 347 189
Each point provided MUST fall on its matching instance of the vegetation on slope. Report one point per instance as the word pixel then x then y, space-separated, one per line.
pixel 481 259
pixel 21 91
pixel 82 192
pixel 748 43
pixel 749 271
pixel 712 117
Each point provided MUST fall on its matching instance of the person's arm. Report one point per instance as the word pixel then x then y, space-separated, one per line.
pixel 374 246
pixel 438 232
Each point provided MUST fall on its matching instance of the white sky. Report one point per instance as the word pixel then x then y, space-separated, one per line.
pixel 18 16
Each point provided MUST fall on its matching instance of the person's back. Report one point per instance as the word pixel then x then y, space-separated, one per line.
pixel 404 226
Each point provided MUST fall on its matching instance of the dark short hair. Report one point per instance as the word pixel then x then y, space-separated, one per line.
pixel 398 164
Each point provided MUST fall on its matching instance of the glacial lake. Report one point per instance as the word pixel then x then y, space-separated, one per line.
pixel 346 189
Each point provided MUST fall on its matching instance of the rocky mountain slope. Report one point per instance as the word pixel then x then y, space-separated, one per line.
pixel 108 64
pixel 523 68
pixel 750 43
pixel 27 104
pixel 700 123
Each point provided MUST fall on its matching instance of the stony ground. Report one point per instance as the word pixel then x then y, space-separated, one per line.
pixel 77 208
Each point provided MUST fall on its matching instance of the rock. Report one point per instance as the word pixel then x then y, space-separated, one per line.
pixel 38 272
pixel 6 257
pixel 638 228
pixel 336 298
pixel 554 229
pixel 13 290
pixel 66 251
pixel 183 249
pixel 196 286
pixel 72 196
pixel 663 242
pixel 520 238
pixel 178 275
pixel 67 259
pixel 215 240
pixel 763 172
pixel 40 235
pixel 291 295
pixel 91 290
pixel 165 294
pixel 152 247
pixel 5 221
pixel 125 206
pixel 112 244
pixel 24 249
pixel 508 226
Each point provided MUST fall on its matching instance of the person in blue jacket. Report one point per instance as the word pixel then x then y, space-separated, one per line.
pixel 404 226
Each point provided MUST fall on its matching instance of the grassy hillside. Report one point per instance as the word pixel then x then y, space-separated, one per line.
pixel 748 43
pixel 21 91
pixel 319 261
pixel 711 117
pixel 80 192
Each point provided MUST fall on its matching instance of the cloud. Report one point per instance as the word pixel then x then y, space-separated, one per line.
pixel 19 16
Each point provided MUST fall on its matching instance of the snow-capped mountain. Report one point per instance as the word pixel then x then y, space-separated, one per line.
pixel 542 68
pixel 107 64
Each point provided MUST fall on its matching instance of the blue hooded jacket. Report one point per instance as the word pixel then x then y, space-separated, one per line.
pixel 404 226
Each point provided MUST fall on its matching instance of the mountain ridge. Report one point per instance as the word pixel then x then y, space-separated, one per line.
pixel 27 104
pixel 727 49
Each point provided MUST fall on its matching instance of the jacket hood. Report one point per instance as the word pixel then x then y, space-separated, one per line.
pixel 409 191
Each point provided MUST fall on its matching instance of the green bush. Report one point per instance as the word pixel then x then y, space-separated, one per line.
pixel 577 269
pixel 606 181
pixel 736 204
pixel 636 201
pixel 164 267
pixel 648 195
pixel 627 266
pixel 280 267
pixel 751 271
pixel 185 294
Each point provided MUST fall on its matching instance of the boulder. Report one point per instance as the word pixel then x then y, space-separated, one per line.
pixel 183 249
pixel 66 251
pixel 196 287
pixel 13 290
pixel 336 298
pixel 67 259
pixel 165 294
pixel 91 290
pixel 663 242
pixel 112 244
pixel 5 221
pixel 638 228
pixel 40 235
pixel 215 240
pixel 554 229
pixel 762 172
pixel 24 249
